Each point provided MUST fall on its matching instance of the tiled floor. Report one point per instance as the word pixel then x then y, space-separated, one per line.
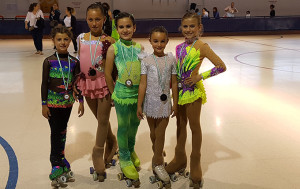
pixel 250 124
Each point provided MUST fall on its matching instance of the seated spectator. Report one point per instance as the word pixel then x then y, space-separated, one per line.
pixel 248 14
pixel 205 13
pixel 216 13
pixel 272 12
pixel 231 10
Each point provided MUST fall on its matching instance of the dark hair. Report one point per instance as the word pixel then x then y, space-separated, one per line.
pixel 61 29
pixel 193 6
pixel 70 10
pixel 105 6
pixel 31 7
pixel 215 9
pixel 197 10
pixel 160 29
pixel 124 15
pixel 116 12
pixel 96 5
pixel 272 6
pixel 248 12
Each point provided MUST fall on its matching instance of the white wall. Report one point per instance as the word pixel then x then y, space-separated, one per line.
pixel 160 8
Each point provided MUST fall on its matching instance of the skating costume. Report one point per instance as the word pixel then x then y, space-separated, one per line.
pixel 125 97
pixel 189 61
pixel 93 86
pixel 59 71
pixel 92 82
pixel 154 107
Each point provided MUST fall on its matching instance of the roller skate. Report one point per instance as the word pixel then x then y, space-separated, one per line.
pixel 177 167
pixel 98 171
pixel 130 175
pixel 111 149
pixel 196 185
pixel 67 171
pixel 181 172
pixel 136 161
pixel 57 177
pixel 161 177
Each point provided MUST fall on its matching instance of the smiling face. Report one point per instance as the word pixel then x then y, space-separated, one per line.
pixel 159 41
pixel 95 20
pixel 125 28
pixel 61 42
pixel 190 27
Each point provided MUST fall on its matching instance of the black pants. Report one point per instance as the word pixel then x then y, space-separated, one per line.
pixel 74 40
pixel 58 125
pixel 37 35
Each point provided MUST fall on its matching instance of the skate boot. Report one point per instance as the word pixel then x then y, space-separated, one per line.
pixel 67 171
pixel 57 177
pixel 177 167
pixel 111 149
pixel 135 160
pixel 129 174
pixel 98 171
pixel 196 185
pixel 161 177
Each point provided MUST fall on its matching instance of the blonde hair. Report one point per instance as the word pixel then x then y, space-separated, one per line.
pixel 197 17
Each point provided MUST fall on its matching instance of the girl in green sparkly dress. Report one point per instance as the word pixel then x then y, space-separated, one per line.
pixel 124 55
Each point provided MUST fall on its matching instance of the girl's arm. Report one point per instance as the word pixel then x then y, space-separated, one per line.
pixel 109 66
pixel 79 96
pixel 141 97
pixel 220 67
pixel 175 95
pixel 44 89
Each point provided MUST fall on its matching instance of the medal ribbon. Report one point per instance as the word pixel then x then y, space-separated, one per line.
pixel 62 73
pixel 93 58
pixel 128 72
pixel 160 77
pixel 184 60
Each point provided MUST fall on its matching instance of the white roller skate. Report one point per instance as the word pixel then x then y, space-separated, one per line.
pixel 160 177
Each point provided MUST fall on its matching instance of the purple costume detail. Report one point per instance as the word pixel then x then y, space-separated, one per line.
pixel 185 87
pixel 183 53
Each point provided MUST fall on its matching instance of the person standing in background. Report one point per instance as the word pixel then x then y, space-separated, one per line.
pixel 272 12
pixel 54 16
pixel 35 18
pixel 70 23
pixel 107 24
pixel 231 10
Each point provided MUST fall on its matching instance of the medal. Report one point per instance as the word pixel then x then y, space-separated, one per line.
pixel 66 96
pixel 128 83
pixel 163 97
pixel 180 85
pixel 66 83
pixel 92 72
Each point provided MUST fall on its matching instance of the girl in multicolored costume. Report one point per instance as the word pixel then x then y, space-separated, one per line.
pixel 157 71
pixel 190 55
pixel 59 71
pixel 92 53
pixel 124 55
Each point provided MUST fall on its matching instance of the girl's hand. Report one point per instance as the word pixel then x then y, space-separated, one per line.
pixel 26 27
pixel 75 93
pixel 192 80
pixel 112 103
pixel 80 109
pixel 46 111
pixel 139 113
pixel 174 111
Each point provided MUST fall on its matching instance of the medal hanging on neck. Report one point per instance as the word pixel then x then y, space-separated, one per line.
pixel 162 82
pixel 66 83
pixel 92 71
pixel 128 82
pixel 180 83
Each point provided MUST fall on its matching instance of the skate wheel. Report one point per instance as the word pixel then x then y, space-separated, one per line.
pixel 54 183
pixel 160 185
pixel 186 174
pixel 152 179
pixel 95 176
pixel 128 183
pixel 173 178
pixel 138 169
pixel 168 185
pixel 107 166
pixel 92 170
pixel 101 178
pixel 120 176
pixel 136 183
pixel 113 162
pixel 70 174
pixel 191 183
pixel 62 179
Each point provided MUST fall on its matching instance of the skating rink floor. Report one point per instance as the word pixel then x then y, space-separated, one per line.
pixel 250 123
